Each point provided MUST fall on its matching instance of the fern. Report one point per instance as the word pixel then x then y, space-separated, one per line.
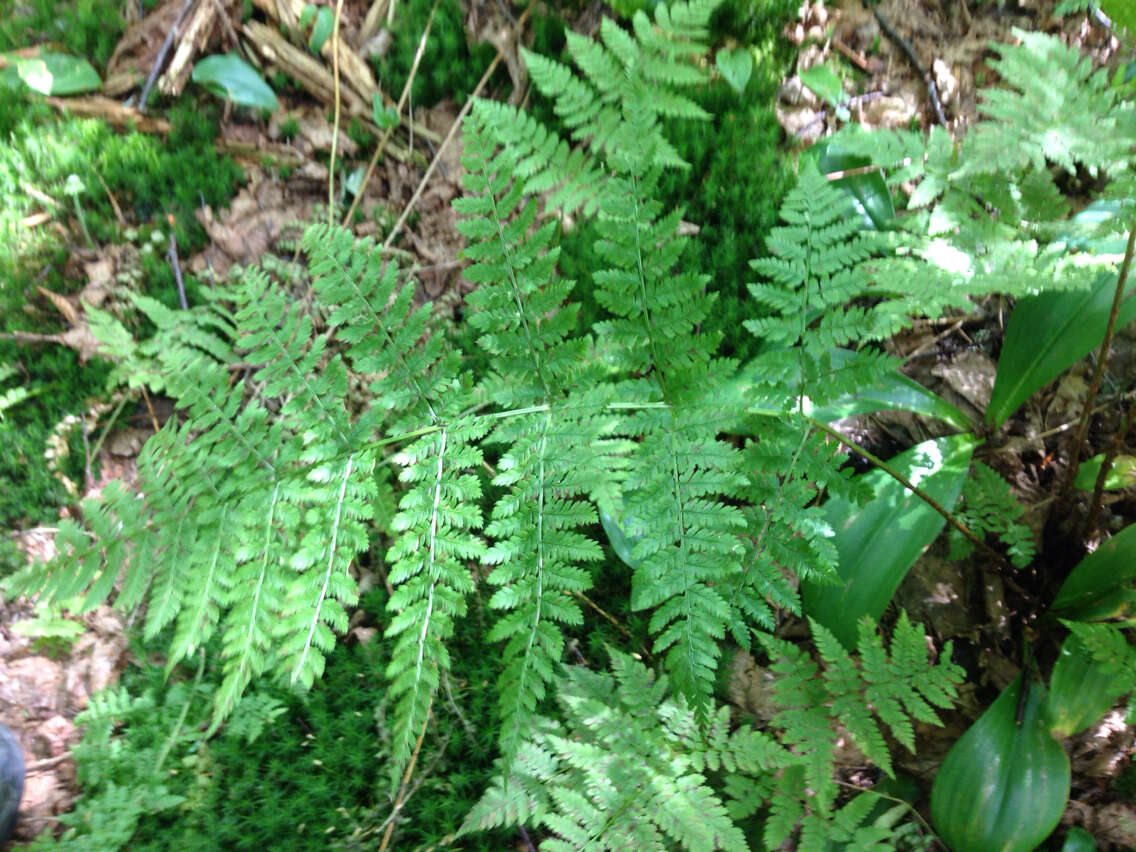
pixel 989 507
pixel 631 767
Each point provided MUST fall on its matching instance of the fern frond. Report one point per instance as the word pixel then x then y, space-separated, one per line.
pixel 554 456
pixel 622 772
pixel 415 382
pixel 988 506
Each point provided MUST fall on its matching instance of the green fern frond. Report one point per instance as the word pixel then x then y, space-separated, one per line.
pixel 1057 109
pixel 416 386
pixel 554 438
pixel 989 507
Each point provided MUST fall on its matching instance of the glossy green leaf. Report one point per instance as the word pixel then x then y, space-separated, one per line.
pixel 1049 333
pixel 879 542
pixel 384 117
pixel 321 32
pixel 229 76
pixel 1080 691
pixel 1121 473
pixel 307 15
pixel 1078 840
pixel 895 392
pixel 870 194
pixel 735 66
pixel 623 531
pixel 1101 584
pixel 824 83
pixel 51 74
pixel 1003 785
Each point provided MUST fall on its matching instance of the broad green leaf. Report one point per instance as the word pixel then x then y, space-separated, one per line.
pixel 1047 334
pixel 307 15
pixel 1078 840
pixel 870 194
pixel 824 83
pixel 321 32
pixel 51 74
pixel 1003 785
pixel 1121 473
pixel 879 542
pixel 1080 692
pixel 735 66
pixel 894 392
pixel 1100 586
pixel 229 76
pixel 384 117
pixel 623 531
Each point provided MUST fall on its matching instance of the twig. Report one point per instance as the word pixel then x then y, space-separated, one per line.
pixel 172 254
pixel 110 424
pixel 851 55
pixel 88 479
pixel 398 111
pixel 606 615
pixel 47 762
pixel 906 483
pixel 335 125
pixel 913 58
pixel 150 408
pixel 1106 463
pixel 1098 371
pixel 453 130
pixel 161 57
pixel 400 799
pixel 113 202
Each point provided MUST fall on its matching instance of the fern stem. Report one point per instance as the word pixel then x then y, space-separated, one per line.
pixel 400 799
pixel 176 732
pixel 1098 372
pixel 909 485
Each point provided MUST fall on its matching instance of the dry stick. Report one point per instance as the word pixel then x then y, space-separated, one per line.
pixel 335 126
pixel 161 58
pixel 398 111
pixel 400 799
pixel 1098 372
pixel 438 156
pixel 1106 463
pixel 172 254
pixel 913 58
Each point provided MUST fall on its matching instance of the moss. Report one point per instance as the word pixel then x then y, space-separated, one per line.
pixel 150 178
pixel 450 67
pixel 86 28
pixel 29 493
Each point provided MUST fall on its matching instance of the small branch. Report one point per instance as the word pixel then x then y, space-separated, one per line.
pixel 912 57
pixel 172 254
pixel 608 616
pixel 335 125
pixel 1110 455
pixel 908 484
pixel 47 763
pixel 851 55
pixel 1098 372
pixel 453 130
pixel 400 799
pixel 161 57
